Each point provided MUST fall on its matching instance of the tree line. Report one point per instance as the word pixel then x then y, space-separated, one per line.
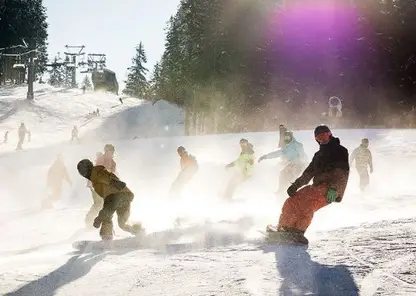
pixel 251 65
pixel 23 29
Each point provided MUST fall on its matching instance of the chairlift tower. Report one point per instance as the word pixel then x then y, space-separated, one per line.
pixel 71 61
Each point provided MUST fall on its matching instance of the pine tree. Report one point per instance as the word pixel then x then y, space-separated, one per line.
pixel 136 84
pixel 57 73
pixel 87 83
pixel 23 22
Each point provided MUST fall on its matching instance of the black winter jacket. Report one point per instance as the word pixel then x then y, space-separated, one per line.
pixel 329 166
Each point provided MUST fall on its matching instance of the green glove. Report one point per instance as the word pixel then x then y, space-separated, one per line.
pixel 331 195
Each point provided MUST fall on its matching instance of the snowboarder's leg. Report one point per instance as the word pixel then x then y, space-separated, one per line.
pixel 97 205
pixel 56 191
pixel 178 184
pixel 298 211
pixel 285 177
pixel 234 182
pixel 123 214
pixel 364 177
pixel 19 144
pixel 55 195
pixel 105 217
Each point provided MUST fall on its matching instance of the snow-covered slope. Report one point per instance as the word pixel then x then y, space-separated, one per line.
pixel 377 257
pixel 52 115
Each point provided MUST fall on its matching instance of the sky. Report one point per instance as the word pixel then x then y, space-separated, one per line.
pixel 113 27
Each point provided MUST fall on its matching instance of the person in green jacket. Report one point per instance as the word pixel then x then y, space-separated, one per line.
pixel 243 168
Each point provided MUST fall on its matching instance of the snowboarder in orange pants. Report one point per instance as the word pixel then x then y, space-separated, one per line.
pixel 329 170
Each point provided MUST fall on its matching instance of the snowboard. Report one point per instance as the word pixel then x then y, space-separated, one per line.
pixel 272 236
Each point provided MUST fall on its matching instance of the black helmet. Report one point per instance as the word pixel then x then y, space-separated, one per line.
pixel 243 141
pixel 84 168
pixel 364 141
pixel 320 129
pixel 181 149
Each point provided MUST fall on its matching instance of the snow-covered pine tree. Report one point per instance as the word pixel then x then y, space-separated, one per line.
pixel 136 84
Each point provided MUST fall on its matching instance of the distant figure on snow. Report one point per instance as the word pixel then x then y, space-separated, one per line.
pixel 105 159
pixel 189 167
pixel 244 168
pixel 57 173
pixel 6 137
pixel 282 130
pixel 294 157
pixel 22 134
pixel 363 160
pixel 74 134
pixel 121 100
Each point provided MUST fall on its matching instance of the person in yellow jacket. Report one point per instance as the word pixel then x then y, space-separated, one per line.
pixel 117 198
pixel 244 165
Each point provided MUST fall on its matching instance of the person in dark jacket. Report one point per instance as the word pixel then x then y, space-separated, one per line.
pixel 117 199
pixel 363 161
pixel 22 134
pixel 329 170
pixel 189 167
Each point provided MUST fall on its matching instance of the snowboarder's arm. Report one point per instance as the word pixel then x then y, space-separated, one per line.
pixel 231 164
pixel 353 155
pixel 274 154
pixel 307 175
pixel 370 160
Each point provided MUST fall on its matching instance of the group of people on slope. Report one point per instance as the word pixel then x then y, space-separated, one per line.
pixel 329 170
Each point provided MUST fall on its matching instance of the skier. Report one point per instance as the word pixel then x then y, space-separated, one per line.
pixel 294 157
pixel 116 196
pixel 363 159
pixel 74 134
pixel 6 137
pixel 244 168
pixel 57 173
pixel 22 134
pixel 282 130
pixel 329 170
pixel 106 160
pixel 189 167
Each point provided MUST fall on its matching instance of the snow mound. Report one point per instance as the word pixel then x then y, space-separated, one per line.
pixel 147 120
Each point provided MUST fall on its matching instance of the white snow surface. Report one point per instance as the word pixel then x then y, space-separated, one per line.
pixel 362 246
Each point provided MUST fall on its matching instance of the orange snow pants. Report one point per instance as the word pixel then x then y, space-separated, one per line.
pixel 298 210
